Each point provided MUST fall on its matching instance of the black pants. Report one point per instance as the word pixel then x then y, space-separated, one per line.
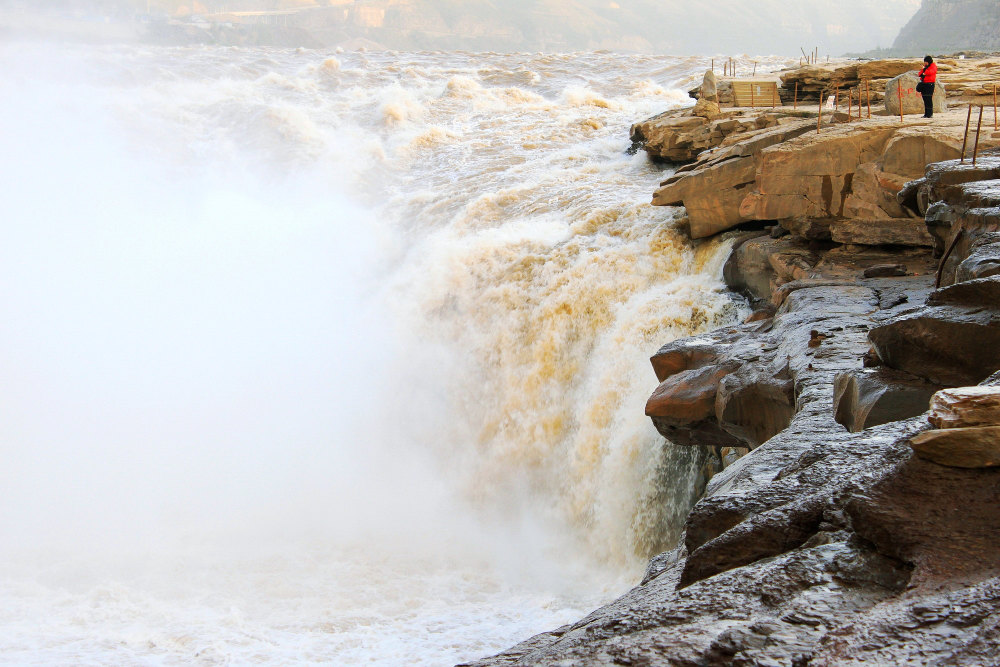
pixel 928 100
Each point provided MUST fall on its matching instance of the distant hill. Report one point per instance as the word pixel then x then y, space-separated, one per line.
pixel 682 27
pixel 947 26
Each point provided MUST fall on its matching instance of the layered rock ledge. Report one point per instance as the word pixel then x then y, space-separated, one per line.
pixel 847 525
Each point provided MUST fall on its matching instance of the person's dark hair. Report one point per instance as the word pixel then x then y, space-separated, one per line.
pixel 928 60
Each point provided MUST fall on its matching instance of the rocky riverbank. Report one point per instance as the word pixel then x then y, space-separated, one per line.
pixel 847 524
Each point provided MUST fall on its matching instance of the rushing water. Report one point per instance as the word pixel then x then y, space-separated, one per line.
pixel 330 358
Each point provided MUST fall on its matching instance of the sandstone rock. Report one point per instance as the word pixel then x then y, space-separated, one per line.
pixel 982 260
pixel 965 406
pixel 972 447
pixel 884 231
pixel 707 109
pixel 688 396
pixel 709 87
pixel 754 404
pixel 911 149
pixel 978 293
pixel 903 88
pixel 948 345
pixel 869 397
pixel 811 176
pixel 873 194
pixel 813 229
pixel 712 199
pixel 885 271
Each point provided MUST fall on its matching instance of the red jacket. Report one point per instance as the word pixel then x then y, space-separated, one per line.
pixel 929 73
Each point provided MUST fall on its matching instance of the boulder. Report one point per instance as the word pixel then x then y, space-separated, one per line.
pixel 903 89
pixel 707 109
pixel 965 406
pixel 709 87
pixel 972 447
pixel 869 397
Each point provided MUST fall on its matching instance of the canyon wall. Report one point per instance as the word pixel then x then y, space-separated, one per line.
pixel 947 26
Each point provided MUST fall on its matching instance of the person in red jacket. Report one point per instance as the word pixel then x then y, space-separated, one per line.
pixel 928 77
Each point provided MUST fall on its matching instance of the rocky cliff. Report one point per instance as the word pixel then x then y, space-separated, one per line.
pixel 855 416
pixel 948 26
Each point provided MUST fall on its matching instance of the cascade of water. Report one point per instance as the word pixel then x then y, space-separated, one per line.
pixel 277 324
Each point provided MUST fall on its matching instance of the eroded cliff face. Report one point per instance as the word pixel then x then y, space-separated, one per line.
pixel 947 26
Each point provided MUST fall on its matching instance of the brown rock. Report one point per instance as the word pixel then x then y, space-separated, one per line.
pixel 885 271
pixel 910 151
pixel 688 396
pixel 707 109
pixel 873 194
pixel 973 447
pixel 965 406
pixel 903 88
pixel 884 231
pixel 709 87
pixel 812 176
pixel 949 345
pixel 869 397
pixel 712 198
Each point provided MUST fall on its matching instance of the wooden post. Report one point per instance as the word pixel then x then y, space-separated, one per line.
pixel 868 92
pixel 819 116
pixel 850 106
pixel 979 126
pixel 965 137
pixel 795 99
pixel 754 69
pixel 994 107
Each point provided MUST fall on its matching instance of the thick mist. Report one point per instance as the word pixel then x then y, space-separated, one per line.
pixel 314 356
pixel 183 348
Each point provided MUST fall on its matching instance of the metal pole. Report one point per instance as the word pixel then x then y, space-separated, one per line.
pixel 965 137
pixel 979 126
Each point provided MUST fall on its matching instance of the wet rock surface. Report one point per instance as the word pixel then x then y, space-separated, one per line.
pixel 850 532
